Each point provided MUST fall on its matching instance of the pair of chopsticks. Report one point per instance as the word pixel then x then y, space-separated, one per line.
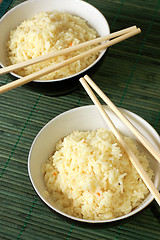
pixel 118 37
pixel 86 81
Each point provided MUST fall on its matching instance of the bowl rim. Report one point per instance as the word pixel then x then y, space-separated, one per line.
pixel 134 211
pixel 101 54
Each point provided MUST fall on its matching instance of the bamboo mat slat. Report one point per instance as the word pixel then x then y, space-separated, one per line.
pixel 129 74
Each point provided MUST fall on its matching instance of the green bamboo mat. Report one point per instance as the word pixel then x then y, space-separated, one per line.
pixel 4 5
pixel 130 75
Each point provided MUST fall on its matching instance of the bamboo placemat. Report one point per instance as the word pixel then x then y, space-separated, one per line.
pixel 129 74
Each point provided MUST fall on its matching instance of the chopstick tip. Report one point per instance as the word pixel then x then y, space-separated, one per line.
pixel 81 79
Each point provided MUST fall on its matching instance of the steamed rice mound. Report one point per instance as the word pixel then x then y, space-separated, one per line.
pixel 90 176
pixel 48 32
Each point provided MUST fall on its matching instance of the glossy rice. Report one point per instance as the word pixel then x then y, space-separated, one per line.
pixel 48 32
pixel 90 176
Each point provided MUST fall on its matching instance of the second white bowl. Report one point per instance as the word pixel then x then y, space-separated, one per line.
pixel 83 119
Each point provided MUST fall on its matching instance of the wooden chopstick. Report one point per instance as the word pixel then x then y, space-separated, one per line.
pixel 155 153
pixel 51 68
pixel 131 155
pixel 64 51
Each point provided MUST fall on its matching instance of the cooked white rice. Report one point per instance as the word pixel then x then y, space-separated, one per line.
pixel 49 32
pixel 90 176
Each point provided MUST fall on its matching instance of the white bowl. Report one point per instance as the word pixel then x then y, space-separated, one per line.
pixel 83 119
pixel 28 9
